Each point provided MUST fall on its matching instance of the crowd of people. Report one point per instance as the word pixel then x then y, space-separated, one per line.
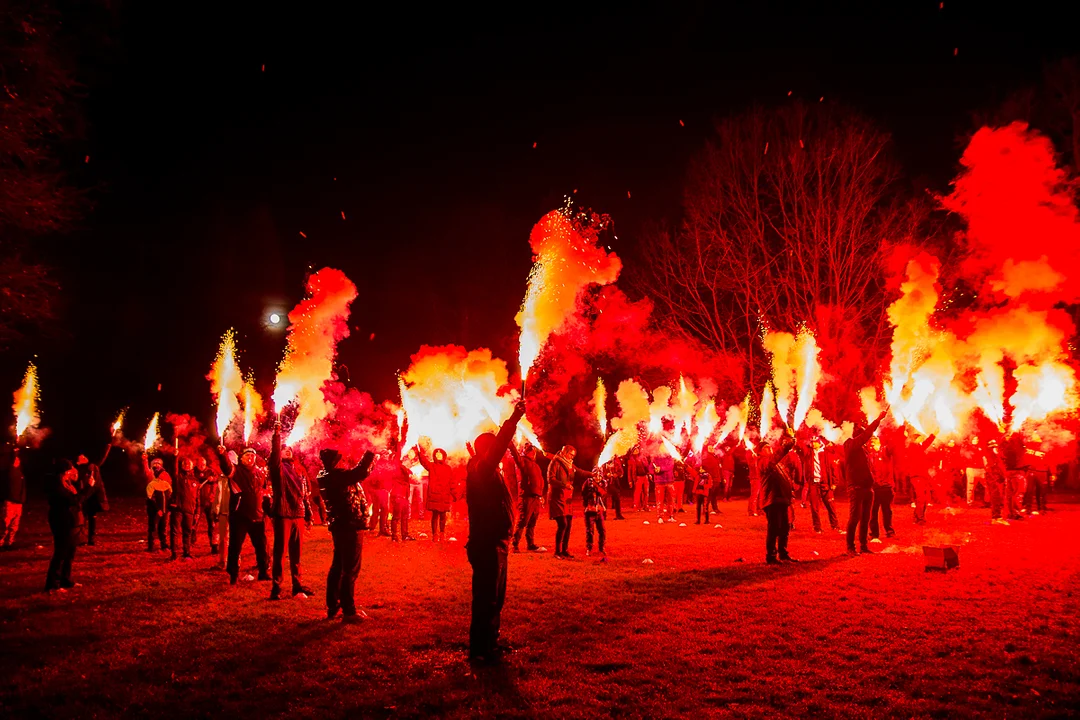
pixel 241 498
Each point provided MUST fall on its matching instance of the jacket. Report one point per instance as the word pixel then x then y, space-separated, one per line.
pixel 919 462
pixel 98 500
pixel 158 490
pixel 561 483
pixel 208 488
pixel 665 470
pixel 14 483
pixel 347 507
pixel 637 469
pixel 776 485
pixel 701 480
pixel 592 495
pixel 440 494
pixel 489 500
pixel 185 494
pixel 860 475
pixel 288 483
pixel 247 486
pixel 533 480
pixel 65 505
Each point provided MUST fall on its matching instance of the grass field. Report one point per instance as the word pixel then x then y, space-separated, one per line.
pixel 706 629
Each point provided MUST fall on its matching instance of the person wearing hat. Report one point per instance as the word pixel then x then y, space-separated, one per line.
pixel 884 485
pixel 247 517
pixel 777 492
pixel 66 521
pixel 348 515
pixel 183 506
pixel 291 508
pixel 491 522
pixel 860 477
pixel 440 494
pixel 158 495
pixel 995 479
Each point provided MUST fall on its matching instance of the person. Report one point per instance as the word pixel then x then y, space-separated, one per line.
pixel 710 464
pixel 440 490
pixel 703 485
pixel 246 512
pixel 317 503
pixel 184 507
pixel 884 484
pixel 920 468
pixel 592 500
pixel 637 473
pixel 664 469
pixel 13 493
pixel 158 495
pixel 67 523
pixel 491 520
pixel 400 489
pixel 348 515
pixel 816 477
pixel 777 492
pixel 290 508
pixel 380 485
pixel 613 474
pixel 417 495
pixel 222 503
pixel 996 478
pixel 98 501
pixel 560 479
pixel 754 506
pixel 531 497
pixel 208 491
pixel 1038 475
pixel 1017 467
pixel 860 478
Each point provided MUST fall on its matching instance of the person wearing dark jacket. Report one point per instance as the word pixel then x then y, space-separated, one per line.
pixel 440 492
pixel 491 521
pixel 158 495
pixel 560 480
pixel 884 484
pixel 348 514
pixel 98 501
pixel 66 521
pixel 400 489
pixel 208 489
pixel 13 494
pixel 860 477
pixel 592 500
pixel 637 476
pixel 183 507
pixel 246 514
pixel 532 492
pixel 816 481
pixel 776 495
pixel 291 507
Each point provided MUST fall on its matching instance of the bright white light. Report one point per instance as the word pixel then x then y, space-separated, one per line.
pixel 274 318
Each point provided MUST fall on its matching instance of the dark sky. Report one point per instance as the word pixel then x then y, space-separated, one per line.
pixel 420 127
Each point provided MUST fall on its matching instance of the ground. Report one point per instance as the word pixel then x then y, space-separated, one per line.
pixel 706 629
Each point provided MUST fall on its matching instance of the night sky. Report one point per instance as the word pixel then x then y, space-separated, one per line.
pixel 420 128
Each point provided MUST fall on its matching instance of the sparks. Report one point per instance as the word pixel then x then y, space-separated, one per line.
pixel 26 402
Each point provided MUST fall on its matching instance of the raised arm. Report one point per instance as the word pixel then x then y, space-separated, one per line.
pixel 861 438
pixel 487 464
pixel 227 468
pixel 274 465
pixel 105 455
pixel 360 473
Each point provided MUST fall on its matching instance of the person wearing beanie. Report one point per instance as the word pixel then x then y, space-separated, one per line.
pixel 348 514
pixel 158 495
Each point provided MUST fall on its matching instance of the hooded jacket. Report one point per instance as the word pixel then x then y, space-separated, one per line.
pixel 247 500
pixel 289 485
pixel 489 500
pixel 440 495
pixel 185 494
pixel 860 475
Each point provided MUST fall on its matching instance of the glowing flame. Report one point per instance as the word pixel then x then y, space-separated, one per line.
pixel 683 409
pixel 767 411
pixel 118 425
pixel 633 409
pixel 744 416
pixel 451 396
pixel 1041 390
pixel 152 435
pixel 780 346
pixel 807 374
pixel 671 449
pixel 525 430
pixel 870 406
pixel 567 259
pixel 600 406
pixel 705 422
pixel 26 402
pixel 659 409
pixel 316 326
pixel 226 383
pixel 732 423
pixel 253 407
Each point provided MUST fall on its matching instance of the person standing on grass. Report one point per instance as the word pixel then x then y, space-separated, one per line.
pixel 637 474
pixel 592 500
pixel 777 493
pixel 440 490
pixel 884 482
pixel 246 512
pixel 158 494
pixel 98 501
pixel 208 488
pixel 613 475
pixel 399 501
pixel 491 522
pixel 67 523
pixel 184 507
pixel 703 486
pixel 530 496
pixel 291 513
pixel 921 469
pixel 664 468
pixel 860 477
pixel 995 479
pixel 348 514
pixel 13 494
pixel 754 506
pixel 222 505
pixel 560 478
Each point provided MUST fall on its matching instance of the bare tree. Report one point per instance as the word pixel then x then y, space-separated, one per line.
pixel 787 215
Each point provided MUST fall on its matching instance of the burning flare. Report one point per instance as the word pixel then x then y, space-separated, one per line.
pixel 118 425
pixel 26 402
pixel 566 260
pixel 316 326
pixel 600 406
pixel 226 383
pixel 633 409
pixel 253 407
pixel 152 434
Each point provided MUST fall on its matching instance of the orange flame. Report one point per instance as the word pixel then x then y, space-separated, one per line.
pixel 253 407
pixel 807 374
pixel 152 435
pixel 767 411
pixel 226 383
pixel 118 425
pixel 705 423
pixel 600 406
pixel 633 409
pixel 26 402
pixel 567 259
